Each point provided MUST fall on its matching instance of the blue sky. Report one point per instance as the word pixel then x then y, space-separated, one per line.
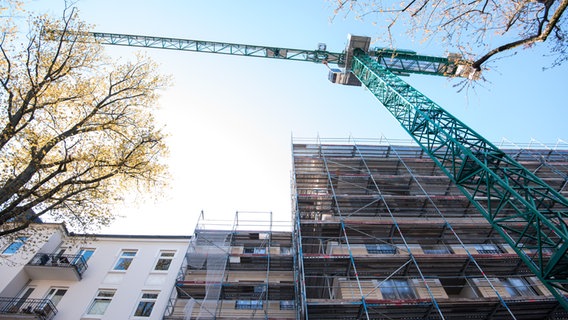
pixel 231 119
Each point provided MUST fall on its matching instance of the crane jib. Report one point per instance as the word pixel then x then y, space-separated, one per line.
pixel 524 210
pixel 401 62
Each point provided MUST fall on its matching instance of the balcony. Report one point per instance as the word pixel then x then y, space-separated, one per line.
pixel 44 266
pixel 18 308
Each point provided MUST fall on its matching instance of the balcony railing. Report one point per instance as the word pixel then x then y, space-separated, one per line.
pixel 62 266
pixel 20 308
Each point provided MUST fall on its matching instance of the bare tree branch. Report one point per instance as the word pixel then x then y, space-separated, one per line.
pixel 542 35
pixel 75 130
pixel 468 26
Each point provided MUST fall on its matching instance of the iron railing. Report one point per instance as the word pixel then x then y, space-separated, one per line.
pixel 60 260
pixel 42 309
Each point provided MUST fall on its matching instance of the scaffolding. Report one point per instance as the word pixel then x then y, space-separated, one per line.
pixel 241 268
pixel 381 232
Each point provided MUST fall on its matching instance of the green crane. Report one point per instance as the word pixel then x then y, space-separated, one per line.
pixel 529 214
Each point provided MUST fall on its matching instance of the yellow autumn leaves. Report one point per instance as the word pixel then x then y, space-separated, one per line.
pixel 77 129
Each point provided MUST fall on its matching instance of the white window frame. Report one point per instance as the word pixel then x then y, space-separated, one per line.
pixel 81 253
pixel 125 255
pixel 14 246
pixel 148 298
pixel 52 293
pixel 400 288
pixel 164 255
pixel 104 298
pixel 518 287
pixel 25 294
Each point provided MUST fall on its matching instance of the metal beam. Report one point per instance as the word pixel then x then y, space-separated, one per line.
pixel 401 62
pixel 523 209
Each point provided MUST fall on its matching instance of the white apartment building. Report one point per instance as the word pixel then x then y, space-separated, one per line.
pixel 48 273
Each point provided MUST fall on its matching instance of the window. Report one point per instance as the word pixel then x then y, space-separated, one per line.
pixel 248 304
pixel 101 302
pixel 45 309
pixel 380 249
pixel 164 260
pixel 146 304
pixel 125 259
pixel 85 253
pixel 255 250
pixel 14 246
pixel 287 305
pixel 396 289
pixel 55 295
pixel 285 250
pixel 487 249
pixel 517 287
pixel 21 301
pixel 436 249
pixel 26 292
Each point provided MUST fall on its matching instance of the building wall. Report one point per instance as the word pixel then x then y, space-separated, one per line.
pixel 41 238
pixel 128 284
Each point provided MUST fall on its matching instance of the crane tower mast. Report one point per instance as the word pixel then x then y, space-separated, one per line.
pixel 524 210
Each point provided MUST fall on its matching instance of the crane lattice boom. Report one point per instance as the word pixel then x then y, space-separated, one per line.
pixel 524 210
pixel 403 62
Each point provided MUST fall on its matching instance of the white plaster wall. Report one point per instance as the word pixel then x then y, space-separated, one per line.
pixel 41 238
pixel 128 284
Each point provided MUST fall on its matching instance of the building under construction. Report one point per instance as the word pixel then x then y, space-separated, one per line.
pixel 382 233
pixel 237 269
pixel 378 232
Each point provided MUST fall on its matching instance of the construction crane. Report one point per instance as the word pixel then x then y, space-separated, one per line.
pixel 529 214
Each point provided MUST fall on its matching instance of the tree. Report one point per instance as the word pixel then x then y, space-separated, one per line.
pixel 469 26
pixel 8 10
pixel 76 130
